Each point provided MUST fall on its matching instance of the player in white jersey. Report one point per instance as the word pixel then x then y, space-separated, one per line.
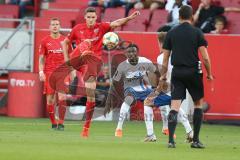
pixel 134 74
pixel 148 111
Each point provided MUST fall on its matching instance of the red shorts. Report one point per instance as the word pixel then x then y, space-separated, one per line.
pixel 54 83
pixel 88 64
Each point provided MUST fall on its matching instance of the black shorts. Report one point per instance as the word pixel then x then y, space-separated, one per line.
pixel 186 78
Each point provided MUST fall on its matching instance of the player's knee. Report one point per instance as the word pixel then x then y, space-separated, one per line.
pixel 129 100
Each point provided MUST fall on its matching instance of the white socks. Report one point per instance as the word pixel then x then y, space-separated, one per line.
pixel 148 117
pixel 164 114
pixel 182 117
pixel 123 113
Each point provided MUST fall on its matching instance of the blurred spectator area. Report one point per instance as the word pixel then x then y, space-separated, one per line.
pixel 72 12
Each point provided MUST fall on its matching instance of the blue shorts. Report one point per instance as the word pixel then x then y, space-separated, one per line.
pixel 161 100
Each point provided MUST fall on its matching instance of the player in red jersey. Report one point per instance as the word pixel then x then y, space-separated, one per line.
pixel 91 33
pixel 50 58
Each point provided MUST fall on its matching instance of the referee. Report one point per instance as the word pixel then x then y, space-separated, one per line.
pixel 182 43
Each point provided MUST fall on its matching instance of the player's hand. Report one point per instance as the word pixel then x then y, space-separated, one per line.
pixel 42 76
pixel 134 15
pixel 163 78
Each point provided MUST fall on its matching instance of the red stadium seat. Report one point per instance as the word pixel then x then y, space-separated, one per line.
pixel 139 23
pixel 110 15
pixel 159 18
pixel 7 24
pixel 43 23
pixel 233 22
pixel 71 15
pixel 81 2
pixel 6 9
pixel 229 3
pixel 68 6
pixel 234 28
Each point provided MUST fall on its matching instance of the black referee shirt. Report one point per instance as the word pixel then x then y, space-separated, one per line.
pixel 184 41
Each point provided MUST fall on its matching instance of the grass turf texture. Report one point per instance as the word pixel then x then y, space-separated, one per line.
pixel 32 139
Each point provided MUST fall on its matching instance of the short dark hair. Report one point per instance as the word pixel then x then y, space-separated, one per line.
pixel 132 45
pixel 90 10
pixel 185 12
pixel 161 36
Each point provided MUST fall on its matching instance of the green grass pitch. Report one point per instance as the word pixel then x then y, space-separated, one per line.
pixel 31 139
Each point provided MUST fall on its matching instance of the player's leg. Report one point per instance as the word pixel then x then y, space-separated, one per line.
pixel 195 88
pixel 51 101
pixel 164 110
pixel 197 122
pixel 128 101
pixel 178 92
pixel 182 118
pixel 90 86
pixel 51 109
pixel 62 104
pixel 93 65
pixel 148 118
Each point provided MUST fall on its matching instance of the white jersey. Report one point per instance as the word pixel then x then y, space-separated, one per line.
pixel 135 76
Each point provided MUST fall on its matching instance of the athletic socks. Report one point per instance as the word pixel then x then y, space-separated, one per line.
pixel 61 111
pixel 164 114
pixel 123 113
pixel 51 113
pixel 182 117
pixel 148 117
pixel 89 113
pixel 172 123
pixel 197 121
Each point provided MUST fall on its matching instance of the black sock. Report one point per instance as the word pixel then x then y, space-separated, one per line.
pixel 197 121
pixel 172 123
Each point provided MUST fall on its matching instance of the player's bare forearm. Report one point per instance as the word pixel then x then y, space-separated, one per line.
pixel 122 21
pixel 164 68
pixel 65 49
pixel 41 62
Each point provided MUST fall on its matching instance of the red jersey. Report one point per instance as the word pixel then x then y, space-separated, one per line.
pixel 81 32
pixel 52 51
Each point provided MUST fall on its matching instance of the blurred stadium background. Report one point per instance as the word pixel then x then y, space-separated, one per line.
pixel 21 91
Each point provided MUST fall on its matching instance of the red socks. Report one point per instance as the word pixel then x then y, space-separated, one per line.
pixel 50 109
pixel 89 113
pixel 61 111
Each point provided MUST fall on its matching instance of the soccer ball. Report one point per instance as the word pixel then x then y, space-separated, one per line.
pixel 110 40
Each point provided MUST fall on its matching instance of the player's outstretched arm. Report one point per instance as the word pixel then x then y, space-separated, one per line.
pixel 122 21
